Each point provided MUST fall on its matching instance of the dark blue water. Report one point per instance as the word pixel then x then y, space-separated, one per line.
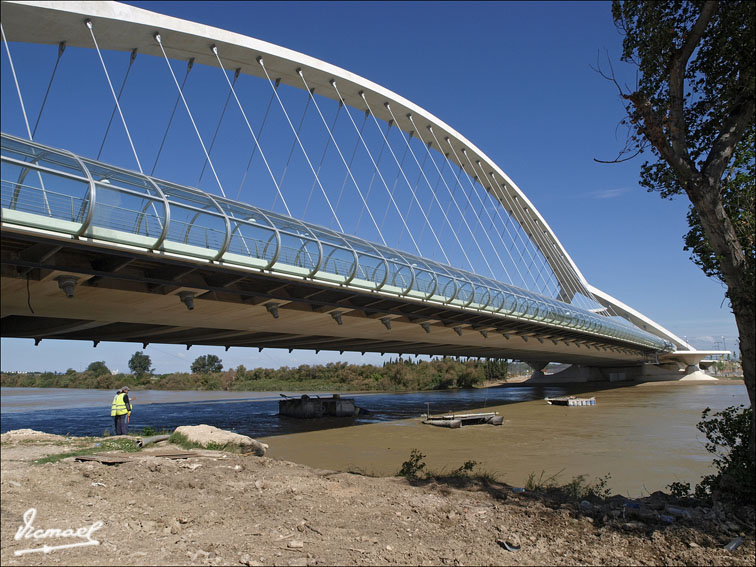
pixel 256 417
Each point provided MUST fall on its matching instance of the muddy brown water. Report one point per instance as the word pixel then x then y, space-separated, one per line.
pixel 643 436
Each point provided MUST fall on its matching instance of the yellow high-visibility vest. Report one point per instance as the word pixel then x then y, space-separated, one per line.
pixel 119 405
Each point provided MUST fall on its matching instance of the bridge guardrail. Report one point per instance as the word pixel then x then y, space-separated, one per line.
pixel 80 197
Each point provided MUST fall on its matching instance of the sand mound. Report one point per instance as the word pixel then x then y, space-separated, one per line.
pixel 16 435
pixel 206 434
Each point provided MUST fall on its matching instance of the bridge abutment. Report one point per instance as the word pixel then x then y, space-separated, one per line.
pixel 646 372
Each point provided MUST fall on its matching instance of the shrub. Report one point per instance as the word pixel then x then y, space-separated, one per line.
pixel 412 467
pixel 728 434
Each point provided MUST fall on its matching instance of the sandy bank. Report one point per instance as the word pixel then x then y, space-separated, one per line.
pixel 226 509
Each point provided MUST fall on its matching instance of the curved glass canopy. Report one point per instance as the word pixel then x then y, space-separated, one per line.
pixel 58 191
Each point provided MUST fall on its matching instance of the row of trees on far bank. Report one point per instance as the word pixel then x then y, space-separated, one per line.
pixel 207 374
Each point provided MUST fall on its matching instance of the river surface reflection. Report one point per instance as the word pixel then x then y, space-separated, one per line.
pixel 643 435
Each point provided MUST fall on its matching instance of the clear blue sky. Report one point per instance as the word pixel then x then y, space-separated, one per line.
pixel 515 79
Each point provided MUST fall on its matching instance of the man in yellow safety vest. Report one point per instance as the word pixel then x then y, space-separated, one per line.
pixel 120 411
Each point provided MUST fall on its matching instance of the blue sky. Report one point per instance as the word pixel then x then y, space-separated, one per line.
pixel 515 78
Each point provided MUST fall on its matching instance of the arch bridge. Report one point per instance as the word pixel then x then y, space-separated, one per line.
pixel 366 223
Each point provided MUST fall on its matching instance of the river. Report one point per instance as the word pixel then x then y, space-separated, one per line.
pixel 643 435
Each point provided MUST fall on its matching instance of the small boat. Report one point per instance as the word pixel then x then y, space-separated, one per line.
pixel 571 401
pixel 457 420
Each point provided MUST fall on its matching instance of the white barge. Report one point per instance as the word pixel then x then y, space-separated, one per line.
pixel 571 401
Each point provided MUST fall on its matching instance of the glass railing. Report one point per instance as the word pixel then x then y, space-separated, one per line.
pixel 55 190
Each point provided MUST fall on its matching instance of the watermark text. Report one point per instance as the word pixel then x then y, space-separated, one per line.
pixel 28 531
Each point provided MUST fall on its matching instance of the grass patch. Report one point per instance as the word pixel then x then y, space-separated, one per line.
pixel 575 490
pixel 112 444
pixel 542 484
pixel 149 431
pixel 415 469
pixel 182 441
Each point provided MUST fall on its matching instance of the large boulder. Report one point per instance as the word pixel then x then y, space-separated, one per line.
pixel 213 438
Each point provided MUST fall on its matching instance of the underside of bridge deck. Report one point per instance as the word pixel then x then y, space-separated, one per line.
pixel 140 297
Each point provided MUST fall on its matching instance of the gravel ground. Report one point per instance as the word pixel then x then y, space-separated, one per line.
pixel 228 509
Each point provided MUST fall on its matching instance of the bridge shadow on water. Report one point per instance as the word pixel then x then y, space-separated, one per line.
pixel 260 418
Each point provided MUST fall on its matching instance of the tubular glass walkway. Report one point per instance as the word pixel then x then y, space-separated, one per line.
pixel 57 191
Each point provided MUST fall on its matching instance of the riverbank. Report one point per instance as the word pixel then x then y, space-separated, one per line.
pixel 400 375
pixel 217 508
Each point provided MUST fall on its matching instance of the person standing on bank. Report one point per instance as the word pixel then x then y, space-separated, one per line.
pixel 120 411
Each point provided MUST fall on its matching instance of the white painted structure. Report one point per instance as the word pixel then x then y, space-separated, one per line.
pixel 123 28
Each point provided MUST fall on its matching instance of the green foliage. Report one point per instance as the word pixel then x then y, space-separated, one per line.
pixel 693 108
pixel 575 490
pixel 719 72
pixel 149 431
pixel 579 489
pixel 465 470
pixel 414 466
pixel 727 434
pixel 140 364
pixel 739 201
pixel 497 369
pixel 182 441
pixel 206 364
pixel 396 376
pixel 679 489
pixel 98 368
pixel 541 484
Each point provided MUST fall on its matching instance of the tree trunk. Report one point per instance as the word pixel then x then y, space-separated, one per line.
pixel 735 272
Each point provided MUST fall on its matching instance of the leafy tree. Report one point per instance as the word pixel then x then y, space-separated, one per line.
pixel 140 364
pixel 98 368
pixel 206 364
pixel 693 108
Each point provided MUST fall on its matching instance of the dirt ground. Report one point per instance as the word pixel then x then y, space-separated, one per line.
pixel 220 508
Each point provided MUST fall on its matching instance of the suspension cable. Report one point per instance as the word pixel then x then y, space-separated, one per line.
pixel 23 111
pixel 89 25
pixel 257 139
pixel 535 279
pixel 446 218
pixel 435 236
pixel 189 112
pixel 320 165
pixel 217 128
pixel 61 49
pixel 451 194
pixel 301 146
pixel 293 145
pixel 396 177
pixel 480 222
pixel 375 165
pixel 120 92
pixel 372 176
pixel 567 274
pixel 214 49
pixel 189 66
pixel 343 160
pixel 15 80
pixel 560 267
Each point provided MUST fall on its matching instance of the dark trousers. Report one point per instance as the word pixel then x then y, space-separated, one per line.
pixel 121 425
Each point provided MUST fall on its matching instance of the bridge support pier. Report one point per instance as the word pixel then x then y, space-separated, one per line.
pixel 644 372
pixel 537 367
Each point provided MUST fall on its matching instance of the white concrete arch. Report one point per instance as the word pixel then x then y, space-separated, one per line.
pixel 122 27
